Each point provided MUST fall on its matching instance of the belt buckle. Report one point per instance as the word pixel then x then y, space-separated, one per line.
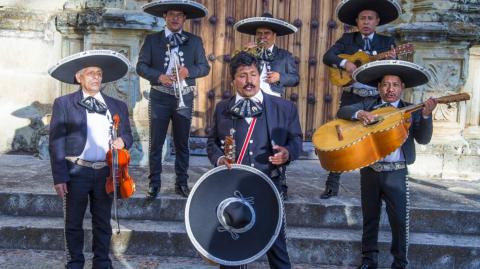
pixel 98 165
pixel 377 167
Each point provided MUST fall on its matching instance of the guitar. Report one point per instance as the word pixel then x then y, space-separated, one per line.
pixel 341 77
pixel 229 147
pixel 344 145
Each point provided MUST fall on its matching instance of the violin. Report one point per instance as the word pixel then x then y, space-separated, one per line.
pixel 119 183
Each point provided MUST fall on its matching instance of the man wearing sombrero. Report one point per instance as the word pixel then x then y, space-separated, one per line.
pixel 366 15
pixel 387 179
pixel 278 68
pixel 80 136
pixel 171 60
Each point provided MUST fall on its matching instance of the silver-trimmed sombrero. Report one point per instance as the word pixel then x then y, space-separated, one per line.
pixel 113 64
pixel 249 25
pixel 388 10
pixel 412 74
pixel 191 9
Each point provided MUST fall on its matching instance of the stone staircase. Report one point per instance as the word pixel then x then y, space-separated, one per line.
pixel 321 234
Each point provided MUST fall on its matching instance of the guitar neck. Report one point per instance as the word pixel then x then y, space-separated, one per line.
pixel 441 100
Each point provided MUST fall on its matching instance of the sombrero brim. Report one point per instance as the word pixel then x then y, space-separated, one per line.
pixel 412 75
pixel 113 64
pixel 191 9
pixel 388 10
pixel 249 26
pixel 202 223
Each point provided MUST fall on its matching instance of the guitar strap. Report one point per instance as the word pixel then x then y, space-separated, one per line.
pixel 247 139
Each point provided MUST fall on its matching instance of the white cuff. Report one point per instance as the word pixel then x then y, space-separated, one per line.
pixel 342 63
pixel 219 159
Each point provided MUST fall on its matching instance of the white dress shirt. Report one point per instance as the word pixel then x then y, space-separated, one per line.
pixel 175 54
pixel 98 133
pixel 397 155
pixel 265 86
pixel 256 98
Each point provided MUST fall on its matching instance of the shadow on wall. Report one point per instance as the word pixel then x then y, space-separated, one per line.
pixel 33 138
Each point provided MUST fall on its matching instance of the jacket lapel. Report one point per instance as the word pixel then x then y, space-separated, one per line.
pixel 269 110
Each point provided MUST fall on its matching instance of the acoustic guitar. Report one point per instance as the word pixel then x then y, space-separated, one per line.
pixel 341 77
pixel 344 145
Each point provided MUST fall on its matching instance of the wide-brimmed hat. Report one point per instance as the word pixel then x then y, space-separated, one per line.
pixel 249 26
pixel 113 64
pixel 233 217
pixel 372 73
pixel 388 10
pixel 191 9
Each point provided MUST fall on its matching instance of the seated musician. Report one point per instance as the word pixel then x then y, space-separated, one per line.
pixel 276 137
pixel 79 140
pixel 366 16
pixel 387 179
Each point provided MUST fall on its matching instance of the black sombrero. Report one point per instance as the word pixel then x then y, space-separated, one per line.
pixel 233 217
pixel 412 75
pixel 388 10
pixel 191 9
pixel 249 26
pixel 113 64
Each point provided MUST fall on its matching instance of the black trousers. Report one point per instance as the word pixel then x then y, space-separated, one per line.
pixel 333 179
pixel 87 185
pixel 391 187
pixel 277 255
pixel 163 109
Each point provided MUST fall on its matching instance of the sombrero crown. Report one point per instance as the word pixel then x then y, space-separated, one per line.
pixel 388 10
pixel 372 73
pixel 249 26
pixel 113 64
pixel 191 9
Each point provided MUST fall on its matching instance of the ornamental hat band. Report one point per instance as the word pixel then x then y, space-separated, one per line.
pixel 372 73
pixel 233 216
pixel 191 9
pixel 388 10
pixel 113 64
pixel 249 26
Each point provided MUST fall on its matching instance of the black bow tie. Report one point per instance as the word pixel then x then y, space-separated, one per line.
pixel 266 55
pixel 176 39
pixel 246 108
pixel 93 105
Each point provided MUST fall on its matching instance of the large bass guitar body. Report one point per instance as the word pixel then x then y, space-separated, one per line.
pixel 344 145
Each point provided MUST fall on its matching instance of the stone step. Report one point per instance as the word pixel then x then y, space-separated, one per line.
pixel 306 245
pixel 48 259
pixel 333 213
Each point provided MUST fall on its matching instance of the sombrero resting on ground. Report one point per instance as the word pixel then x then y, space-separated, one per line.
pixel 113 64
pixel 191 9
pixel 249 26
pixel 388 10
pixel 372 73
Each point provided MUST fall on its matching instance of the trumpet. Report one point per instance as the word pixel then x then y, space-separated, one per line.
pixel 178 84
pixel 256 51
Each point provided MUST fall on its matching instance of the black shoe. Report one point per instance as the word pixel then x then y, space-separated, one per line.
pixel 366 266
pixel 328 193
pixel 152 192
pixel 182 190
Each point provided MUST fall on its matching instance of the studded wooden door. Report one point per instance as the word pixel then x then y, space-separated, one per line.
pixel 316 99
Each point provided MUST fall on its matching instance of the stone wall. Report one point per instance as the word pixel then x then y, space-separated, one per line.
pixel 35 34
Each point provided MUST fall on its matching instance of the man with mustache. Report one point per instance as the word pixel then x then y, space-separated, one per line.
pixel 387 179
pixel 156 63
pixel 276 137
pixel 366 15
pixel 278 69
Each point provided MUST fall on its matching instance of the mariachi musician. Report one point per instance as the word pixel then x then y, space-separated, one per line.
pixel 387 179
pixel 366 15
pixel 171 60
pixel 80 133
pixel 277 66
pixel 266 130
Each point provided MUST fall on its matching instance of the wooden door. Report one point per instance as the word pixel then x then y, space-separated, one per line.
pixel 316 99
